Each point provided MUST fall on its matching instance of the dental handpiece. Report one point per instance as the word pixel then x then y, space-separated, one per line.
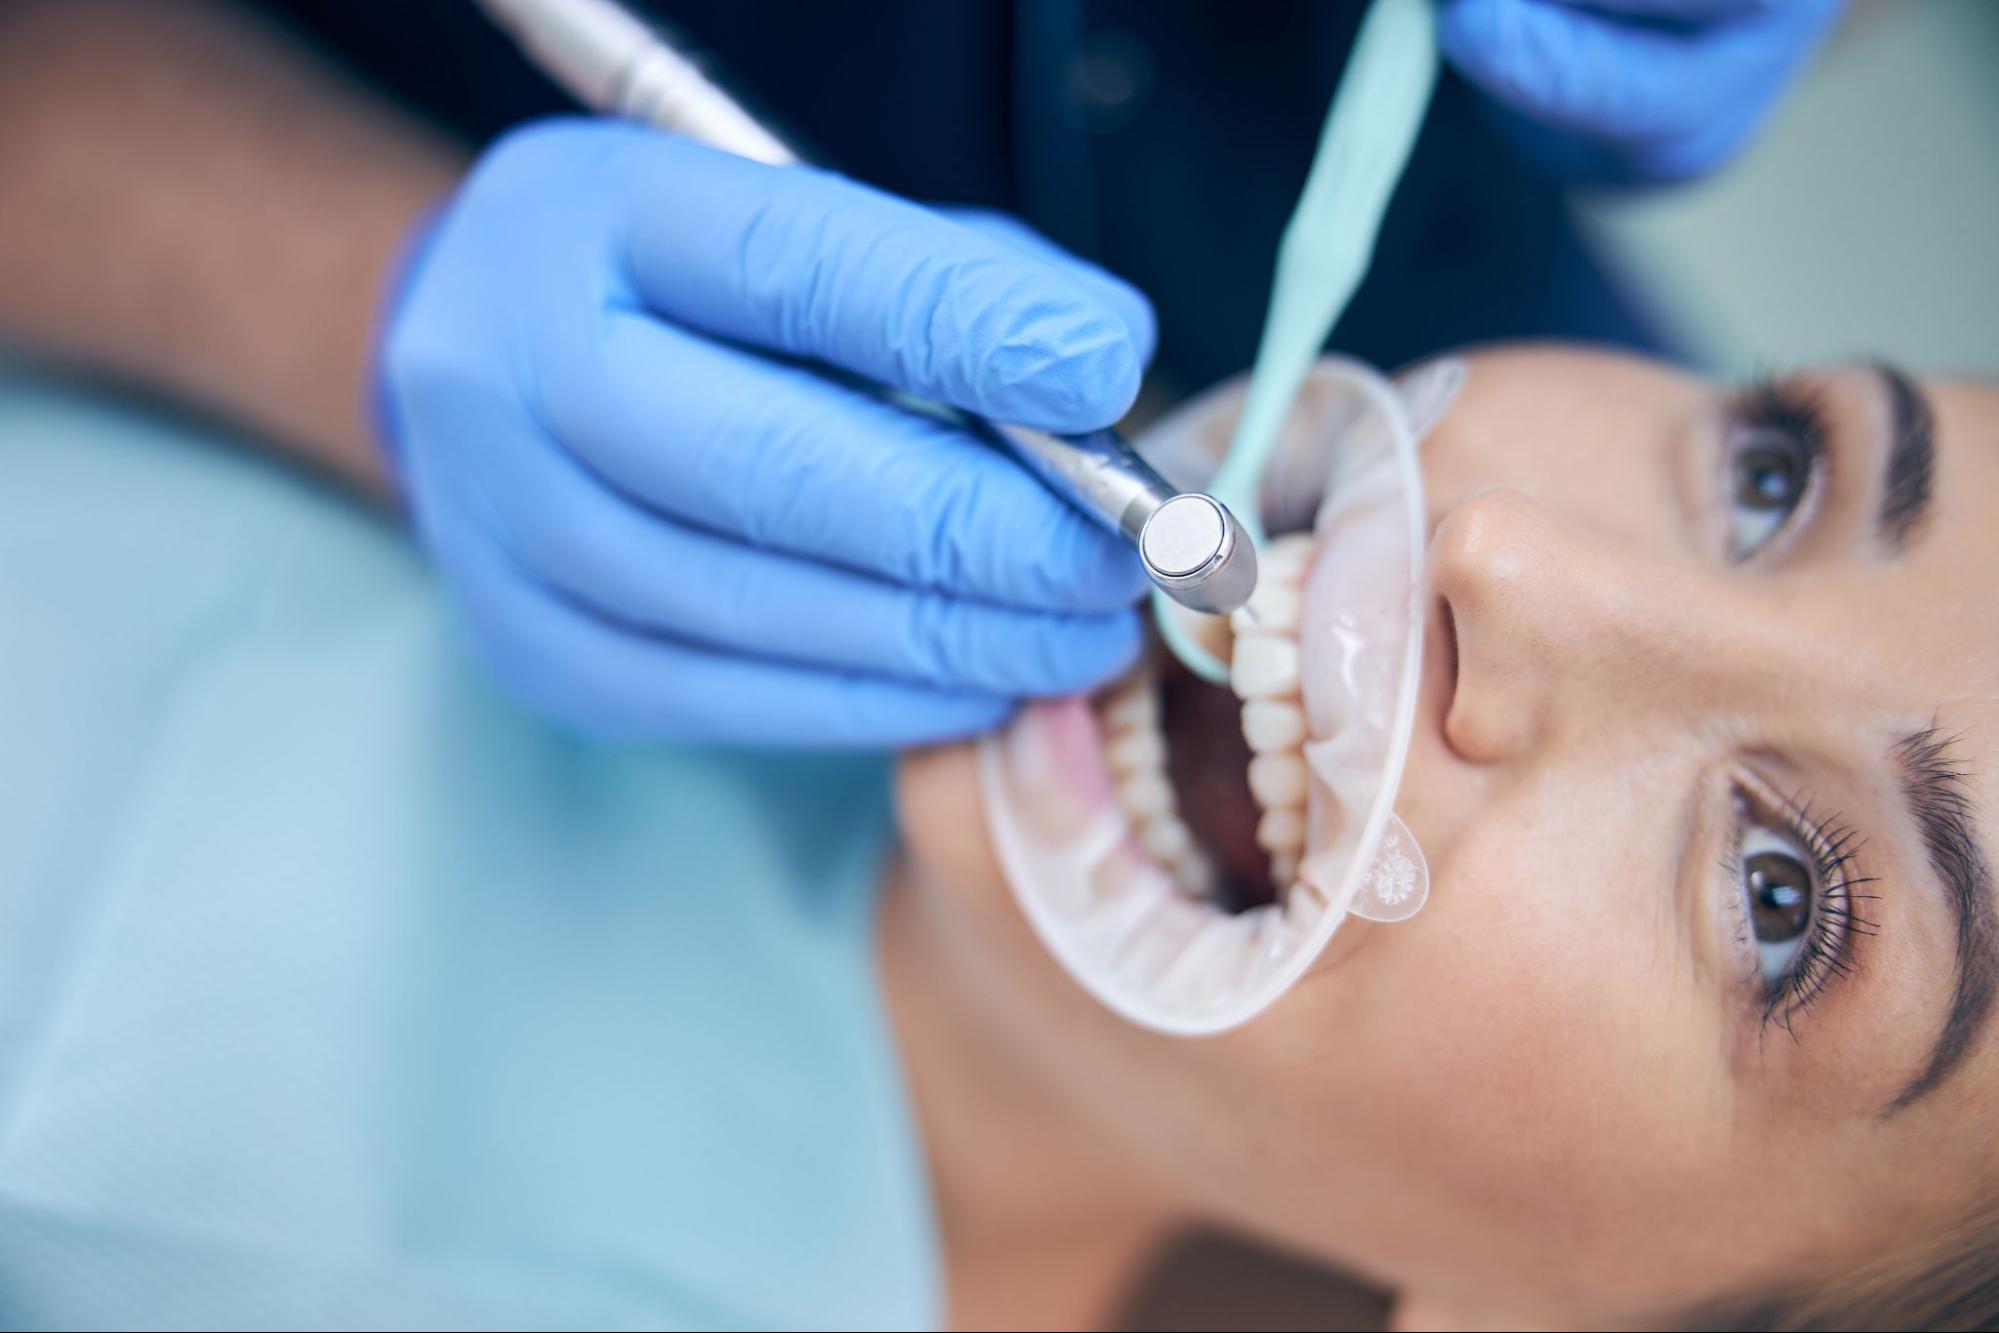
pixel 1192 547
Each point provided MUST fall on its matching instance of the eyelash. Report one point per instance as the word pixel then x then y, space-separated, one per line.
pixel 1784 405
pixel 1795 412
pixel 1827 953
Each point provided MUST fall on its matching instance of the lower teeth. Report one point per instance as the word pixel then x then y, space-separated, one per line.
pixel 1135 746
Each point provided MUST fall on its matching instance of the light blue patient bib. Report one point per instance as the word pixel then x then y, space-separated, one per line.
pixel 334 991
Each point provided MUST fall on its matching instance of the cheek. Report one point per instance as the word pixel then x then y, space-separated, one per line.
pixel 1525 987
pixel 1579 454
pixel 1531 1049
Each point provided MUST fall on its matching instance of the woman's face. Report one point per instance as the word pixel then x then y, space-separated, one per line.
pixel 1697 1001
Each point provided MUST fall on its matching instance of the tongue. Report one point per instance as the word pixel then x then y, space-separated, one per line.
pixel 1207 761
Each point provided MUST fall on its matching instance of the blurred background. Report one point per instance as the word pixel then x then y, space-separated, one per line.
pixel 1861 222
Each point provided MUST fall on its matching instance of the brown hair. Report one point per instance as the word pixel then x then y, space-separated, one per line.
pixel 1947 1285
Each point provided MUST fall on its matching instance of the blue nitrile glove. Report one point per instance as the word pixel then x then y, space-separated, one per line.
pixel 1633 90
pixel 619 386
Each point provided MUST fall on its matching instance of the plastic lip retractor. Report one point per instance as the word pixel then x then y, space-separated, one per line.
pixel 1121 922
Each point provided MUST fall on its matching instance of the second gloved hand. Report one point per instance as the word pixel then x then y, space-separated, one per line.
pixel 626 387
pixel 1633 90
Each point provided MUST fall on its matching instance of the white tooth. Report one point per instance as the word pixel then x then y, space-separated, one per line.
pixel 1305 890
pixel 1195 873
pixel 1165 838
pixel 1282 830
pixel 1272 607
pixel 1304 904
pixel 1264 666
pixel 1277 780
pixel 1144 796
pixel 1272 724
pixel 1283 870
pixel 1211 633
pixel 1285 558
pixel 1131 705
pixel 1136 750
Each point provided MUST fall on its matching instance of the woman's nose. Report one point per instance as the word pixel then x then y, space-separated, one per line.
pixel 1554 626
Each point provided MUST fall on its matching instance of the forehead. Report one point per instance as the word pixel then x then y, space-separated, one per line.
pixel 1967 430
pixel 1923 628
pixel 1935 611
pixel 1953 577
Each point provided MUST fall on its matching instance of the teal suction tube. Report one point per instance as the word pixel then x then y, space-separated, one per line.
pixel 1323 256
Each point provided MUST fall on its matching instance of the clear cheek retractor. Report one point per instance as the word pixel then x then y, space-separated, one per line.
pixel 1346 643
pixel 1121 924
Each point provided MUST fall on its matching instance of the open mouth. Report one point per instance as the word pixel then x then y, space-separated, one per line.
pixel 1213 780
pixel 1186 850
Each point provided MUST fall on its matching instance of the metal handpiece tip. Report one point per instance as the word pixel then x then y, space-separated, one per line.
pixel 1196 551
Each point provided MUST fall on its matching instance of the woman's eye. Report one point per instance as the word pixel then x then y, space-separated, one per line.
pixel 1775 452
pixel 1777 893
pixel 1797 904
pixel 1770 471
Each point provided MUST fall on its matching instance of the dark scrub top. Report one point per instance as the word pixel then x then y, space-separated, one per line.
pixel 1166 139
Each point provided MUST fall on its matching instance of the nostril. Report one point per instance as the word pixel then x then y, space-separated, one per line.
pixel 1447 671
pixel 1502 570
pixel 1447 648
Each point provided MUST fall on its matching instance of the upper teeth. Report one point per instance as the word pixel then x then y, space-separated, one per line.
pixel 1274 605
pixel 1272 724
pixel 1282 562
pixel 1265 664
pixel 1277 780
pixel 1263 671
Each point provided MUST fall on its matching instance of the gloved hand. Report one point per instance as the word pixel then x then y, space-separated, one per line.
pixel 622 389
pixel 1633 90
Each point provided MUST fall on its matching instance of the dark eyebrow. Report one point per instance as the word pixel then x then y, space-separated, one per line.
pixel 1906 476
pixel 1933 783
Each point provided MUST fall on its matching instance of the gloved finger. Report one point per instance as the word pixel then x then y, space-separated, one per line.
pixel 1600 77
pixel 612 681
pixel 818 267
pixel 647 571
pixel 1677 11
pixel 1131 306
pixel 777 457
